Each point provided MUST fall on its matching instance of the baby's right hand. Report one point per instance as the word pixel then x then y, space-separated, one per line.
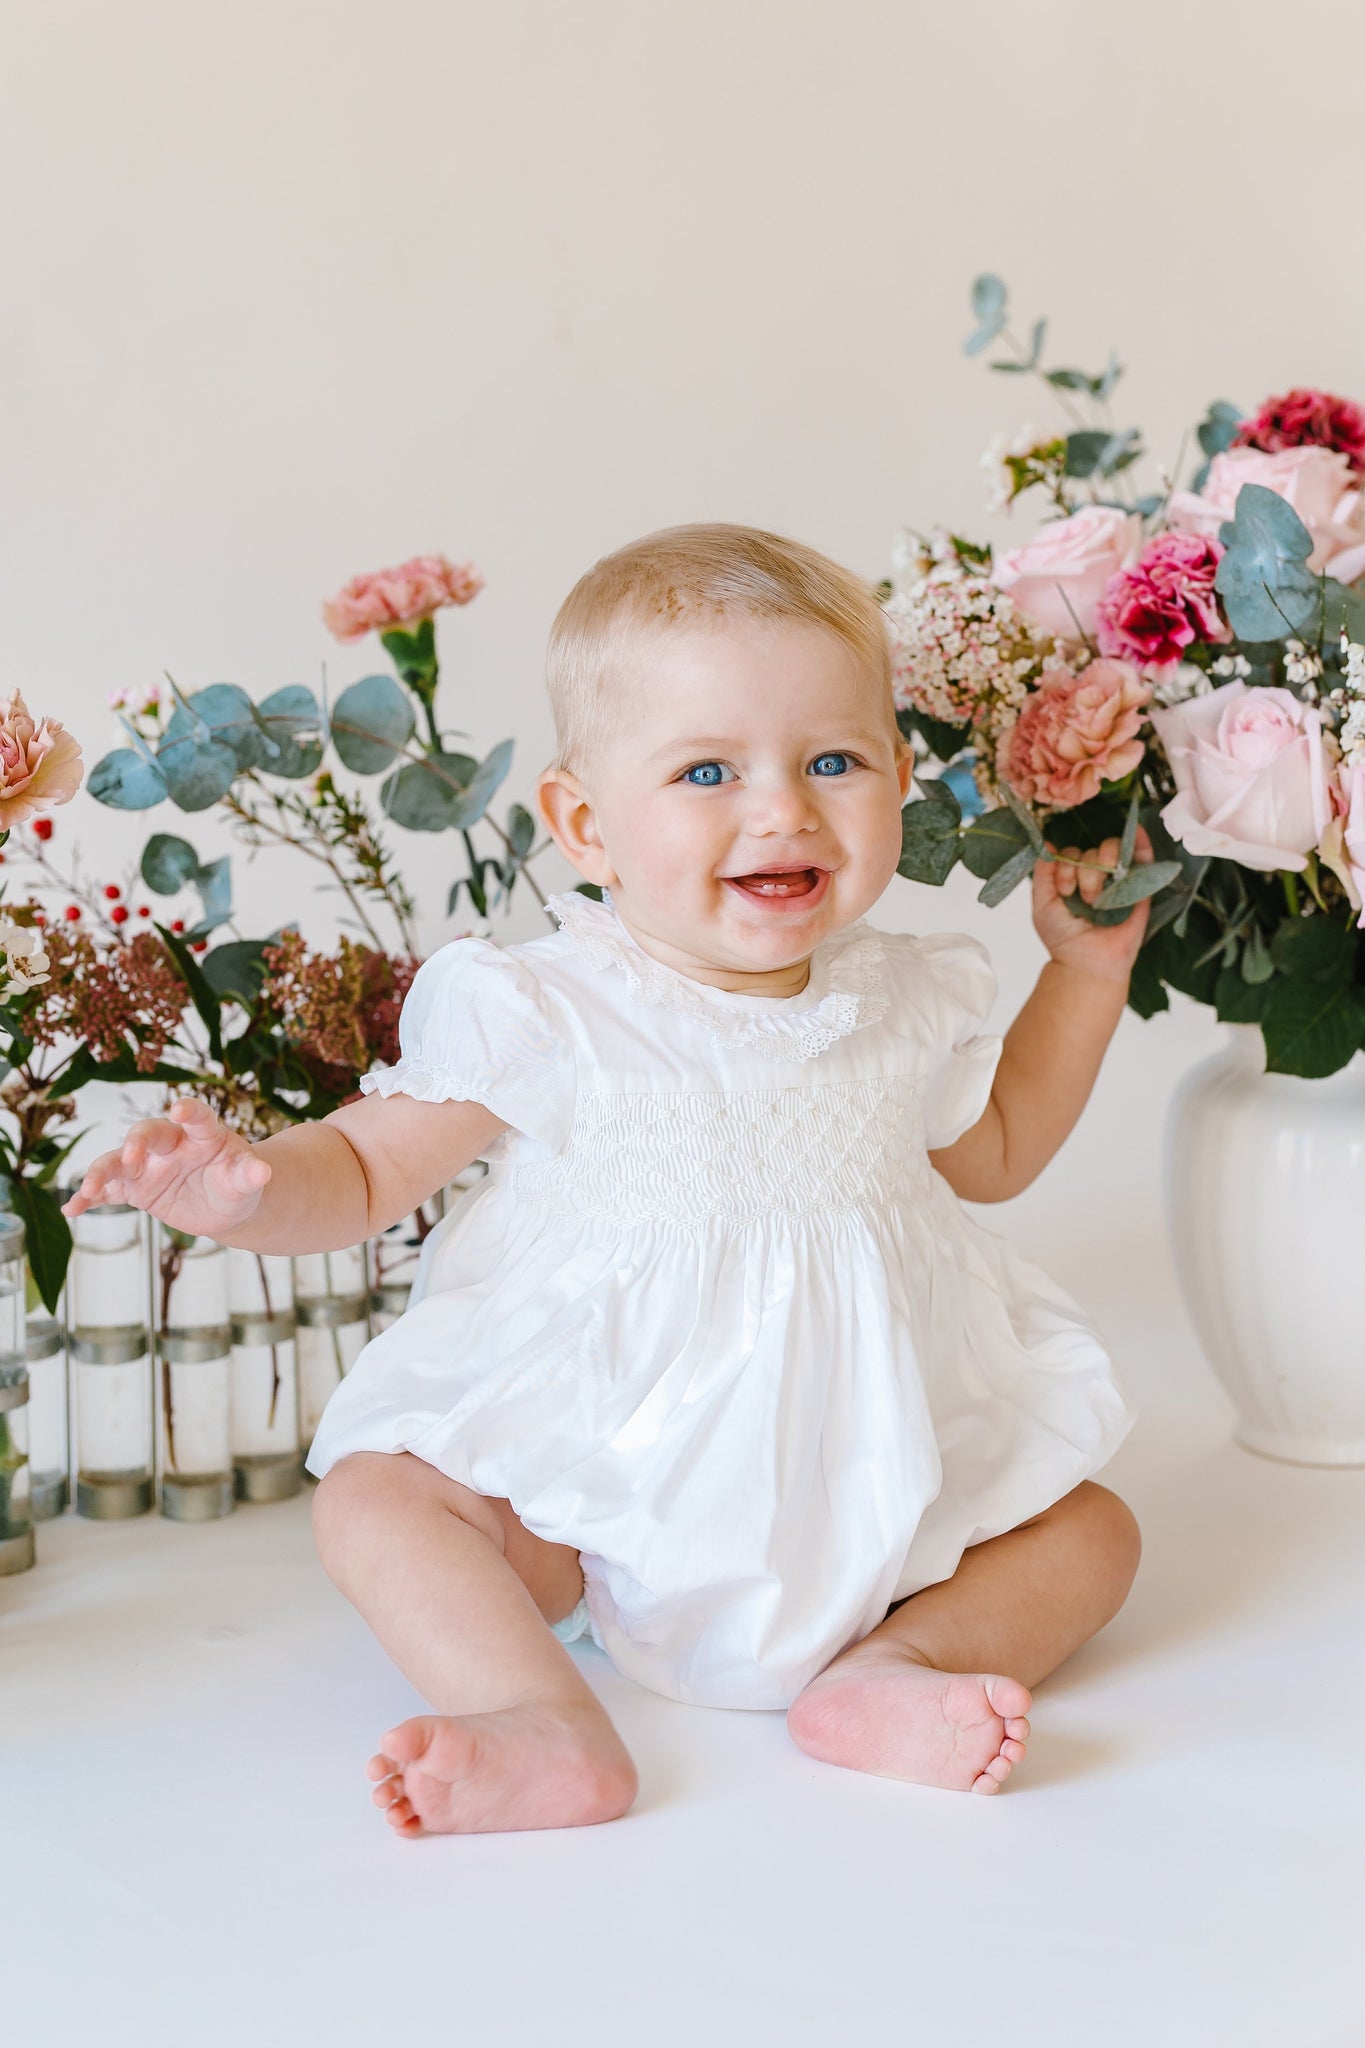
pixel 184 1167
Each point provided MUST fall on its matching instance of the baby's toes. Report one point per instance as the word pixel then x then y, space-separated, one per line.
pixel 381 1766
pixel 986 1783
pixel 1017 1729
pixel 388 1792
pixel 1012 1750
pixel 401 1817
pixel 1008 1698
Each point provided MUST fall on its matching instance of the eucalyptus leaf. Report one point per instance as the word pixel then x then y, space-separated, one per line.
pixel 168 863
pixel 232 720
pixel 426 795
pixel 1218 429
pixel 372 722
pixel 1084 449
pixel 127 781
pixel 234 971
pixel 1140 882
pixel 1007 878
pixel 521 830
pixel 989 299
pixel 199 769
pixel 1071 380
pixel 991 840
pixel 294 721
pixel 1128 843
pixel 488 778
pixel 1108 377
pixel 1343 611
pixel 1266 589
pixel 214 883
pixel 1095 913
pixel 929 841
pixel 1025 818
pixel 1258 964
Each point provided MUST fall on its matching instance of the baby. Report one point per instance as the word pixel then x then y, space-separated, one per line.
pixel 712 1363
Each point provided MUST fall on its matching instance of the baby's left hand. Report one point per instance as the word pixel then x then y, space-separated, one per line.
pixel 1106 951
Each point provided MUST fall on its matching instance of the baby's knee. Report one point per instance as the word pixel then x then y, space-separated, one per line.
pixel 1112 1538
pixel 347 1496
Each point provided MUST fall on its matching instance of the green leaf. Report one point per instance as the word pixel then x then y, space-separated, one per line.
pixel 1128 843
pixel 1343 611
pixel 1094 913
pixel 588 889
pixel 989 300
pixel 1312 1029
pixel 1071 380
pixel 127 781
pixel 1315 949
pixel 991 840
pixel 214 883
pixel 1238 1001
pixel 232 720
pixel 1140 882
pixel 413 654
pixel 1007 878
pixel 168 863
pixel 944 741
pixel 1025 818
pixel 47 1236
pixel 201 995
pixel 372 722
pixel 294 721
pixel 1146 990
pixel 425 795
pixel 199 771
pixel 930 837
pixel 1266 590
pixel 1084 449
pixel 1119 452
pixel 490 774
pixel 1258 964
pixel 235 971
pixel 1102 385
pixel 1218 429
pixel 521 830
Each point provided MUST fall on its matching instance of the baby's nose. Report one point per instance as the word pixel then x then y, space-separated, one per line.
pixel 780 807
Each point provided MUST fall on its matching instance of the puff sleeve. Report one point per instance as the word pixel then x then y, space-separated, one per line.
pixel 477 1027
pixel 959 990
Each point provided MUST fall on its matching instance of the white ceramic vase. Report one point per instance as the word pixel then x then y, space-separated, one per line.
pixel 1265 1203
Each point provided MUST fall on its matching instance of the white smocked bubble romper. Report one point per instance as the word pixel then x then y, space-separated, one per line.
pixel 712 1318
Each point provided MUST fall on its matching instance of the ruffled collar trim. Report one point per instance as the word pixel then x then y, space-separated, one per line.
pixel 843 994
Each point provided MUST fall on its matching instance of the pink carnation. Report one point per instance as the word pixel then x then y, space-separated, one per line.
pixel 400 597
pixel 1304 418
pixel 1152 612
pixel 1075 732
pixel 40 763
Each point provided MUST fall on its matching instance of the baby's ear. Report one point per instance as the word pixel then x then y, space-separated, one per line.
pixel 571 820
pixel 905 766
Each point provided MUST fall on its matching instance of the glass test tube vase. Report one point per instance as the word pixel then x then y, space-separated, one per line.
pixel 16 1518
pixel 194 1376
pixel 48 1421
pixel 266 1457
pixel 112 1363
pixel 332 1311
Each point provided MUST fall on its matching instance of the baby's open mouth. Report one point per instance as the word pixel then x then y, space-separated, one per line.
pixel 778 883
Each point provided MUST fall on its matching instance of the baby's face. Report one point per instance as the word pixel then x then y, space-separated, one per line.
pixel 748 803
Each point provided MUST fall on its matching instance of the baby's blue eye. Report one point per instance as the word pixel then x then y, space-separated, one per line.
pixel 830 764
pixel 707 774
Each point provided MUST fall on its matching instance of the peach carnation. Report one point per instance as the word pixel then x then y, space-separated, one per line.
pixel 401 596
pixel 40 763
pixel 1075 732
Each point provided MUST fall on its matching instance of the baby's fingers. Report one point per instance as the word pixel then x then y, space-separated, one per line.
pixel 1065 871
pixel 1102 860
pixel 95 1186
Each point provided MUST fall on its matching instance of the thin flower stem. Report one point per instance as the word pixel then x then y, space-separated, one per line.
pixel 321 853
pixel 1077 418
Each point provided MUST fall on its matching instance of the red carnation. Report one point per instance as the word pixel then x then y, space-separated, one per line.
pixel 1304 418
pixel 1152 612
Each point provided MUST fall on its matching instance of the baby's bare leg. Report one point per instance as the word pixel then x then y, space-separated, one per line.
pixel 460 1594
pixel 921 1698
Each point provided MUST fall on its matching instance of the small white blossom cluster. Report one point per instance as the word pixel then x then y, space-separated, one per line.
pixel 23 960
pixel 1351 738
pixel 962 651
pixel 1231 668
pixel 1013 460
pixel 1301 667
pixel 146 708
pixel 1183 682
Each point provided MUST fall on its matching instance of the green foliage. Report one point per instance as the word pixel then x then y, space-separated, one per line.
pixel 930 835
pixel 1266 589
pixel 234 972
pixel 990 306
pixel 47 1236
pixel 1312 1027
pixel 127 780
pixel 945 742
pixel 294 722
pixel 372 722
pixel 169 863
pixel 427 795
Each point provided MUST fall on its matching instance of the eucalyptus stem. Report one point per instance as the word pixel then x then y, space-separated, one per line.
pixel 1291 891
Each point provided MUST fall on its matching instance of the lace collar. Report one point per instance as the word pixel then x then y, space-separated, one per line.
pixel 844 991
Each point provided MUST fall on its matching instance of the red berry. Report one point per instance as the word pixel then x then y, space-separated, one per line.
pixel 40 917
pixel 112 891
pixel 2 860
pixel 42 828
pixel 144 910
pixel 72 912
pixel 177 924
pixel 119 914
pixel 199 945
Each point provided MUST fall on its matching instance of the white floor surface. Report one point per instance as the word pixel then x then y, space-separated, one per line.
pixel 190 1853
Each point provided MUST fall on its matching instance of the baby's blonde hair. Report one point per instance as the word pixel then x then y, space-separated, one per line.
pixel 682 576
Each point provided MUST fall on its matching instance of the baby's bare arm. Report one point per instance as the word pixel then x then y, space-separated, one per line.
pixel 1052 1054
pixel 318 1187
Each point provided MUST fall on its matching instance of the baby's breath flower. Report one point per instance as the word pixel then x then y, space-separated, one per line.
pixel 1234 667
pixel 1351 738
pixel 1183 681
pixel 962 651
pixel 1301 667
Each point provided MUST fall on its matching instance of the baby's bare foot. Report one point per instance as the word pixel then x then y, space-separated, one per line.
pixel 881 1711
pixel 522 1767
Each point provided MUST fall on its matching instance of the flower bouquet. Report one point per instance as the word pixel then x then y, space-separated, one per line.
pixel 1189 658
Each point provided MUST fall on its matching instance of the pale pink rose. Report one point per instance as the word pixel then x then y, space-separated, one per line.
pixel 400 597
pixel 1317 482
pixel 1343 843
pixel 1058 579
pixel 40 764
pixel 1074 732
pixel 1251 776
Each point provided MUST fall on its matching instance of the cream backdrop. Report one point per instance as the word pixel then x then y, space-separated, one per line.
pixel 296 290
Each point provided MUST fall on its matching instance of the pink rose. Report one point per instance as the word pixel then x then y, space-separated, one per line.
pixel 1250 774
pixel 400 597
pixel 1343 843
pixel 1315 481
pixel 1305 418
pixel 1155 610
pixel 1074 732
pixel 1058 579
pixel 40 764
